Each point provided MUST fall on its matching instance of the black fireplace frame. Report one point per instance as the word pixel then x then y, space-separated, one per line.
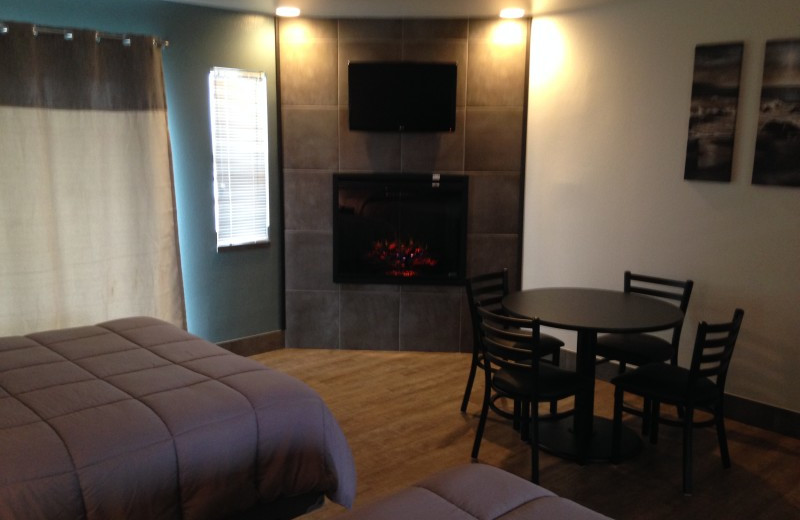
pixel 455 187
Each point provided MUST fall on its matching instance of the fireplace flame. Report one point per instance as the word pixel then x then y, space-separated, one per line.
pixel 400 258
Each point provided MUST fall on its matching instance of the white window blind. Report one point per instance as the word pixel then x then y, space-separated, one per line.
pixel 238 101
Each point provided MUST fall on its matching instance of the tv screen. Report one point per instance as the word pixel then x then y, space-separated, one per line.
pixel 402 96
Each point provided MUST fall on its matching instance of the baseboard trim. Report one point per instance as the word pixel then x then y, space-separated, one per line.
pixel 256 344
pixel 760 415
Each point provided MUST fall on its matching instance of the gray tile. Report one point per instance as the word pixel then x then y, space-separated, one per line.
pixel 298 30
pixel 369 287
pixel 363 51
pixel 493 139
pixel 370 29
pixel 430 321
pixel 449 51
pixel 309 75
pixel 367 151
pixel 419 29
pixel 309 260
pixel 310 137
pixel 312 319
pixel 308 203
pixel 370 320
pixel 452 290
pixel 467 334
pixel 435 152
pixel 494 202
pixel 489 253
pixel 496 74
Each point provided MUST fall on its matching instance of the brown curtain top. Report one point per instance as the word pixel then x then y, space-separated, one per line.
pixel 47 70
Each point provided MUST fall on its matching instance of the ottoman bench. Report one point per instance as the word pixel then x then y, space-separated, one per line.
pixel 472 491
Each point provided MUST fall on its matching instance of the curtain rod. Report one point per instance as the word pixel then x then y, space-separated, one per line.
pixel 69 33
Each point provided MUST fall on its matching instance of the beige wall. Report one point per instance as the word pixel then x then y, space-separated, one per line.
pixel 606 146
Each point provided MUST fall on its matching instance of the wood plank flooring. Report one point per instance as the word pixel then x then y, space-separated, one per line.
pixel 400 413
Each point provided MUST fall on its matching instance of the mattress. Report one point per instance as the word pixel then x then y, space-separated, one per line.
pixel 136 418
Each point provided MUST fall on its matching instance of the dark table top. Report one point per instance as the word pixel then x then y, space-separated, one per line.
pixel 599 310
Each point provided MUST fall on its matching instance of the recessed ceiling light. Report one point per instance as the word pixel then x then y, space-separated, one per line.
pixel 512 12
pixel 287 11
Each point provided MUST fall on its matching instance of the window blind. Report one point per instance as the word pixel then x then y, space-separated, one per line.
pixel 238 101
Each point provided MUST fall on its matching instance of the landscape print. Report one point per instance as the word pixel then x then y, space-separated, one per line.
pixel 777 159
pixel 712 121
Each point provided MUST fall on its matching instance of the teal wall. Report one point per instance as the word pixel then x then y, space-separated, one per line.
pixel 232 294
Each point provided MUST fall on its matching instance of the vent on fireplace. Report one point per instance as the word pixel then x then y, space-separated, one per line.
pixel 399 228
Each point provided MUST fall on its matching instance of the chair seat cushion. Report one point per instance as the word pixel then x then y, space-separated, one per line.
pixel 549 343
pixel 554 382
pixel 666 383
pixel 634 349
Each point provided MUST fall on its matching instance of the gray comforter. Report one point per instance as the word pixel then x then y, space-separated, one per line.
pixel 136 418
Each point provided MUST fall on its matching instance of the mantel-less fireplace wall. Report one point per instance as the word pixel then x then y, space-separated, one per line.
pixel 486 146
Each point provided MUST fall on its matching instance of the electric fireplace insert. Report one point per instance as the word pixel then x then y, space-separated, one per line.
pixel 399 228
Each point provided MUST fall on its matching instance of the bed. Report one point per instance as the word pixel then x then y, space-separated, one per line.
pixel 136 418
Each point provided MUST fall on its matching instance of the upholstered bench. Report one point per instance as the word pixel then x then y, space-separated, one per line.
pixel 473 491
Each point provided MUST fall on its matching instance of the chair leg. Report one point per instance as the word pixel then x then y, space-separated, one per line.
pixel 525 421
pixel 687 450
pixel 719 418
pixel 534 428
pixel 556 356
pixel 621 369
pixel 476 446
pixel 616 432
pixel 557 362
pixel 646 410
pixel 517 425
pixel 470 381
pixel 655 413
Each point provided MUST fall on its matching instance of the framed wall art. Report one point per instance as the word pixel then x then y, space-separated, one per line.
pixel 712 120
pixel 777 158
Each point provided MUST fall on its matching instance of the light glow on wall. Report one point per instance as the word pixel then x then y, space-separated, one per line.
pixel 548 51
pixel 508 32
pixel 287 11
pixel 512 12
pixel 296 33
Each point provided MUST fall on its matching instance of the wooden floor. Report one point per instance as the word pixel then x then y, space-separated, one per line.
pixel 400 413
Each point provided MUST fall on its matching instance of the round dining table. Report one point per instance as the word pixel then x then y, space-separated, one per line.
pixel 583 436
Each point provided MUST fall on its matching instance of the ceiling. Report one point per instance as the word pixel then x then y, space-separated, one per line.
pixel 398 8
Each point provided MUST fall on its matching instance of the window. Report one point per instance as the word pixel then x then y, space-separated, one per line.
pixel 238 101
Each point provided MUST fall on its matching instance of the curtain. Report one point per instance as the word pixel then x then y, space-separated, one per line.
pixel 87 211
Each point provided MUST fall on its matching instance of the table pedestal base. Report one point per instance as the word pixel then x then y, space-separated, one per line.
pixel 557 437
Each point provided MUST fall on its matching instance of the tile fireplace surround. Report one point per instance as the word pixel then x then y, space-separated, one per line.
pixel 487 146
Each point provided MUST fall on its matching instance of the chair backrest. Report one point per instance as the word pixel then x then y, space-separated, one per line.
pixel 676 290
pixel 509 342
pixel 713 348
pixel 485 290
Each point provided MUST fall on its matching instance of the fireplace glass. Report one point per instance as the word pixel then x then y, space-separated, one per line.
pixel 399 228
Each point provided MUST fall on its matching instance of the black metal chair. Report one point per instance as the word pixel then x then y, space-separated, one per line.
pixel 511 349
pixel 641 349
pixel 487 291
pixel 700 387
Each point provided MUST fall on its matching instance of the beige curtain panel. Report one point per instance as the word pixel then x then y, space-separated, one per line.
pixel 87 212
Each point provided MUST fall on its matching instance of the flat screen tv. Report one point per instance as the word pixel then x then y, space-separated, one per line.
pixel 399 228
pixel 402 96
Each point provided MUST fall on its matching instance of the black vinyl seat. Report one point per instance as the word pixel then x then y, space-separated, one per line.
pixel 487 291
pixel 641 349
pixel 701 386
pixel 513 366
